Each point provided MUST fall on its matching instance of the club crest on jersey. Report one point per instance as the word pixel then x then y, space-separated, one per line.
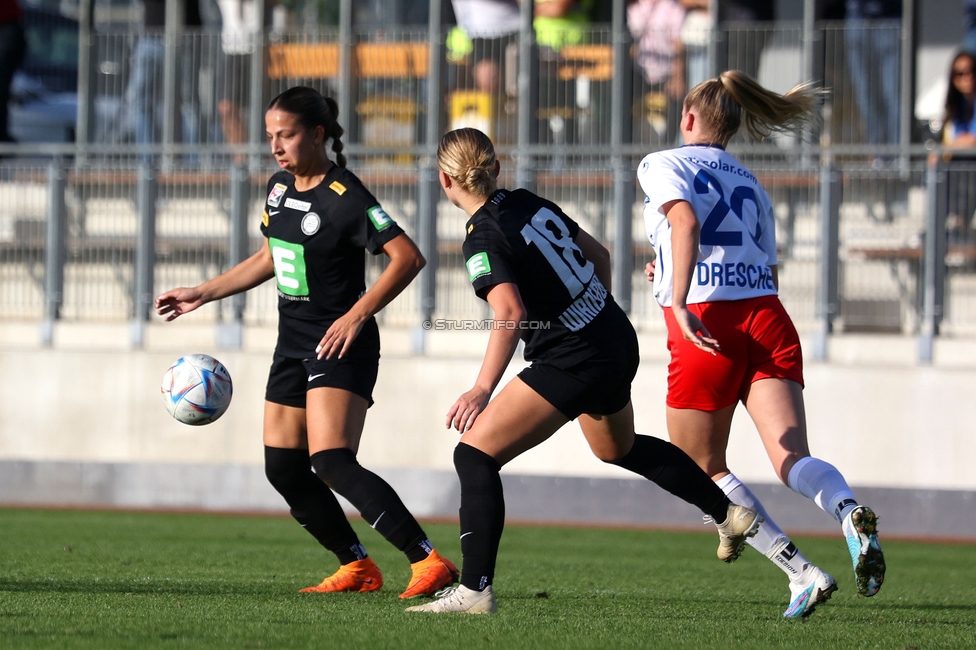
pixel 477 266
pixel 379 218
pixel 274 198
pixel 338 188
pixel 311 223
pixel 295 204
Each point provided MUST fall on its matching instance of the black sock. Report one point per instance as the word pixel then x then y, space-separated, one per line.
pixel 673 470
pixel 482 514
pixel 376 501
pixel 312 503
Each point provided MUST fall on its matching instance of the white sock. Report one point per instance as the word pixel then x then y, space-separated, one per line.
pixel 770 540
pixel 822 483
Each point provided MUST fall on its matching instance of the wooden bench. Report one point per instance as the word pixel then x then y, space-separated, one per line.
pixel 370 60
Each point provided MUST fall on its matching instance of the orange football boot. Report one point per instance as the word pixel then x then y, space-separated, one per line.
pixel 361 575
pixel 430 575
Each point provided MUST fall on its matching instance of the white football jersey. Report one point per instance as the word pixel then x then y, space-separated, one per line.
pixel 737 244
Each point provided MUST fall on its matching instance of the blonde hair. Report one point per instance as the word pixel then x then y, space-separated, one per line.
pixel 725 102
pixel 468 156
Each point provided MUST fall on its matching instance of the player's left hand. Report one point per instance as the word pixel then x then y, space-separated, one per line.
pixel 339 337
pixel 649 269
pixel 467 408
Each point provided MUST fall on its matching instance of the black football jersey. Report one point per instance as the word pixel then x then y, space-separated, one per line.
pixel 317 239
pixel 522 238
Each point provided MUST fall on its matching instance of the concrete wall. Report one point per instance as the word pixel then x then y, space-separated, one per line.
pixel 84 423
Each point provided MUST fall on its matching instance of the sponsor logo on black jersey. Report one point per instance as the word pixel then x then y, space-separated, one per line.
pixel 311 223
pixel 379 218
pixel 264 219
pixel 274 198
pixel 338 188
pixel 477 266
pixel 289 266
pixel 295 204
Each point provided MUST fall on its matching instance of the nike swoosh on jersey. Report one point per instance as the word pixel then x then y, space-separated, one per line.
pixel 273 212
pixel 313 377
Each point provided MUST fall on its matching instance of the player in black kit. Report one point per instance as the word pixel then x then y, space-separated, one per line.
pixel 548 283
pixel 318 220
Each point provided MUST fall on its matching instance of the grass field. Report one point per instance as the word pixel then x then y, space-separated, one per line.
pixel 75 579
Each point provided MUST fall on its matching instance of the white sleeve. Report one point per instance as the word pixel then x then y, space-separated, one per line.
pixel 662 180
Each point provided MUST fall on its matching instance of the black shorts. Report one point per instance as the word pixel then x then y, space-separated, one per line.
pixel 598 386
pixel 290 379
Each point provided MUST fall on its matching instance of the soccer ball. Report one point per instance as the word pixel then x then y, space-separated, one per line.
pixel 196 389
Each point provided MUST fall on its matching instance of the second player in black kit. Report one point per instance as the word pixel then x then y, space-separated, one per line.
pixel 316 238
pixel 583 347
pixel 318 221
pixel 548 283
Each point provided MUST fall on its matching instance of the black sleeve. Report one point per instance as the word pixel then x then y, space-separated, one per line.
pixel 487 259
pixel 371 226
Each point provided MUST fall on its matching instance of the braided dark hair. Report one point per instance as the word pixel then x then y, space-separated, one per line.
pixel 312 110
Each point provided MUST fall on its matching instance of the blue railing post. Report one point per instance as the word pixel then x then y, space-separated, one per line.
pixel 933 261
pixel 623 173
pixel 147 190
pixel 428 189
pixel 230 332
pixel 828 301
pixel 55 247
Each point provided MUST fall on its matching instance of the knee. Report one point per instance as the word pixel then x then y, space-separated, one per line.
pixel 286 469
pixel 473 465
pixel 334 466
pixel 611 451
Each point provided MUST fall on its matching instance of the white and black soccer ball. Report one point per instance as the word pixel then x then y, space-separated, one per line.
pixel 196 389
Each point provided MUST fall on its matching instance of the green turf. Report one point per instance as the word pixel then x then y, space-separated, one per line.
pixel 143 580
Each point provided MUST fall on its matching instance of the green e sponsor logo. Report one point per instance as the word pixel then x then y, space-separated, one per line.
pixel 289 266
pixel 478 266
pixel 379 218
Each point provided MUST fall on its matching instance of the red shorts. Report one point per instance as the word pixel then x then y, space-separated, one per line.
pixel 757 339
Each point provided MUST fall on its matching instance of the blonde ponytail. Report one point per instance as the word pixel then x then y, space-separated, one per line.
pixel 735 97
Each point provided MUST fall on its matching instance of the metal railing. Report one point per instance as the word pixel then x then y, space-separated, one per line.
pixel 871 237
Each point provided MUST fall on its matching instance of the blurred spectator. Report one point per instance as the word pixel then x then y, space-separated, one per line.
pixel 239 23
pixel 390 14
pixel 491 26
pixel 969 40
pixel 746 40
pixel 959 131
pixel 144 93
pixel 656 28
pixel 873 59
pixel 696 33
pixel 558 23
pixel 13 46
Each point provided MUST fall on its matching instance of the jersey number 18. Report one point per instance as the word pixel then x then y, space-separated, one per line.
pixel 551 236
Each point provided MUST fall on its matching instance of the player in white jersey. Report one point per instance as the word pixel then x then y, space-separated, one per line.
pixel 711 225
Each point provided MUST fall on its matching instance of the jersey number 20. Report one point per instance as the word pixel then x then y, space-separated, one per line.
pixel 710 234
pixel 551 236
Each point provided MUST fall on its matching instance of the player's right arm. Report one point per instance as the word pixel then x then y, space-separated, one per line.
pixel 685 231
pixel 509 313
pixel 248 274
